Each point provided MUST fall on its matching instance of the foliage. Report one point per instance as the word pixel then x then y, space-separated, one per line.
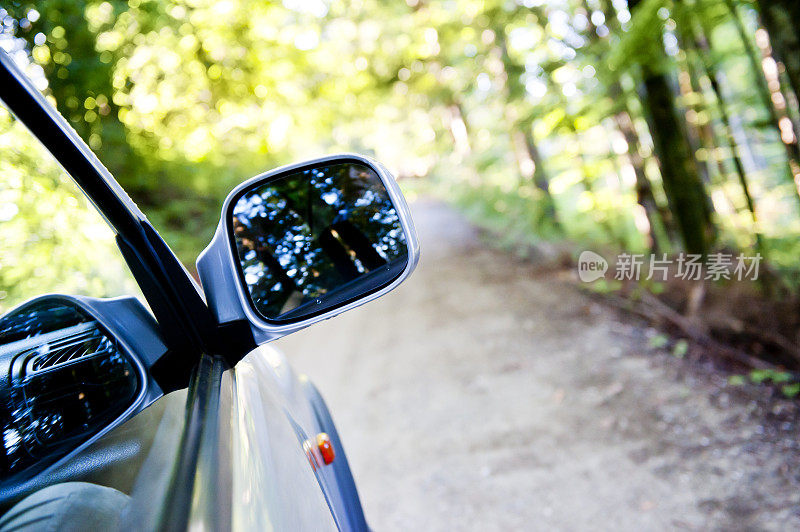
pixel 658 341
pixel 758 376
pixel 680 349
pixel 543 119
pixel 51 240
pixel 786 381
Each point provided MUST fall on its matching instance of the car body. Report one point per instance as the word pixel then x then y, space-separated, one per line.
pixel 223 433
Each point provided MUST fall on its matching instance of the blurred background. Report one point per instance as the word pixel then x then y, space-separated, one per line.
pixel 522 132
pixel 648 125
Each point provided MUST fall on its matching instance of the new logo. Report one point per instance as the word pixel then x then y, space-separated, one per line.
pixel 591 266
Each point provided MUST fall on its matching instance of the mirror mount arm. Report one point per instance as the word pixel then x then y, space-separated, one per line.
pixel 239 338
pixel 180 321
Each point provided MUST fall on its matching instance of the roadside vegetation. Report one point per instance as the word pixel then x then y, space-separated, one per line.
pixel 652 127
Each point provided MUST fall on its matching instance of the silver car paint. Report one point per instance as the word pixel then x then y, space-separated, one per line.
pixel 273 481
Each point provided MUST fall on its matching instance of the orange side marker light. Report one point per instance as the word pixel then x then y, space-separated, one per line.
pixel 325 448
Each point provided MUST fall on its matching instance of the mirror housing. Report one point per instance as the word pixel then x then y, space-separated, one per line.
pixel 328 202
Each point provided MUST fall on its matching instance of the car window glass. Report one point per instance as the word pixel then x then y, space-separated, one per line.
pixel 62 380
pixel 51 238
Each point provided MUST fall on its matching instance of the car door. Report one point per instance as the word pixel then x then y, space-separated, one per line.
pixel 243 457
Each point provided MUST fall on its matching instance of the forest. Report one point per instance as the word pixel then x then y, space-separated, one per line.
pixel 653 127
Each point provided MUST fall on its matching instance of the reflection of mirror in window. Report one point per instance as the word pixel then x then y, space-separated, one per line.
pixel 64 379
pixel 316 238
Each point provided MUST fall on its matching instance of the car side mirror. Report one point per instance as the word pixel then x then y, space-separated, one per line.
pixel 72 369
pixel 306 242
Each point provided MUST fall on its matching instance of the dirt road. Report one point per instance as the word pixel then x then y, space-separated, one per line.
pixel 482 396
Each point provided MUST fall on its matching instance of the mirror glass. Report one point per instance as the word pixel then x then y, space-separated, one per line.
pixel 63 380
pixel 316 238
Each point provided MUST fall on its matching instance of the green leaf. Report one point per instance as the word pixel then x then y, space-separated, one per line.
pixel 736 380
pixel 680 349
pixel 763 375
pixel 643 43
pixel 657 287
pixel 781 376
pixel 658 341
pixel 791 390
pixel 760 375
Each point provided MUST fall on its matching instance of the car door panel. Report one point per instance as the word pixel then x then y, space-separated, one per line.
pixel 307 412
pixel 273 479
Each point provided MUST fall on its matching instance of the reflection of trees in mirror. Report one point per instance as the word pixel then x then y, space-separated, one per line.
pixel 308 233
pixel 63 380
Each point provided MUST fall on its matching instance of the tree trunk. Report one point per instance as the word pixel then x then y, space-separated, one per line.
pixel 705 132
pixel 540 178
pixel 700 43
pixel 644 190
pixel 790 141
pixel 781 18
pixel 525 148
pixel 459 130
pixel 657 216
pixel 698 135
pixel 685 192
